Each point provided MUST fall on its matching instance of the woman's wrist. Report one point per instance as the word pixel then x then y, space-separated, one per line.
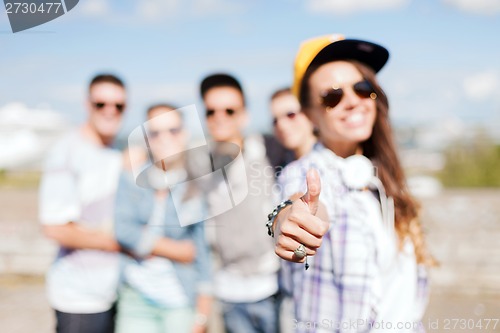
pixel 273 216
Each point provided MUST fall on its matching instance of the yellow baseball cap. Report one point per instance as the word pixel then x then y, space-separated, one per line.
pixel 323 49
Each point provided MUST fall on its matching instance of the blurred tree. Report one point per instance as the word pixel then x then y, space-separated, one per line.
pixel 472 163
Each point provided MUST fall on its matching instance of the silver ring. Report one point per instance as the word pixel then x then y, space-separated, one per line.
pixel 300 252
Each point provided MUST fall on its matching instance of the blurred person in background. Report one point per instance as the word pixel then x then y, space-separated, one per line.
pixel 245 275
pixel 167 283
pixel 361 237
pixel 77 193
pixel 291 127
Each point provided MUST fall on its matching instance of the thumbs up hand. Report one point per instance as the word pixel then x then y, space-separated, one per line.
pixel 311 198
pixel 298 224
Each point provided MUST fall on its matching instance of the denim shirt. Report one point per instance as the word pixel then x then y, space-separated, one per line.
pixel 134 208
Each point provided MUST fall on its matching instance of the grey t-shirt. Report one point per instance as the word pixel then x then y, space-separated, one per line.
pixel 247 263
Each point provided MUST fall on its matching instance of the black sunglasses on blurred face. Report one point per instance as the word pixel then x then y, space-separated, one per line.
pixel 289 115
pixel 120 107
pixel 332 97
pixel 229 112
pixel 174 131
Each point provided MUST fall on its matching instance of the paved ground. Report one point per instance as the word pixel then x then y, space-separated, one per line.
pixel 463 229
pixel 24 309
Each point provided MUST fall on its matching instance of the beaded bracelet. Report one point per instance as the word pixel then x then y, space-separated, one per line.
pixel 272 216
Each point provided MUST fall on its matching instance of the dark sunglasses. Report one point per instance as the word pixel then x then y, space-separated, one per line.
pixel 289 115
pixel 229 112
pixel 331 98
pixel 172 131
pixel 100 105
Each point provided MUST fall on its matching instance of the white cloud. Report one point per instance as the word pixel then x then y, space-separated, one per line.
pixel 482 85
pixel 216 7
pixel 415 99
pixel 351 6
pixel 159 11
pixel 94 8
pixel 156 10
pixel 430 96
pixel 487 7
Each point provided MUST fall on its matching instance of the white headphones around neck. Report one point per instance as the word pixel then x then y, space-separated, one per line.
pixel 359 173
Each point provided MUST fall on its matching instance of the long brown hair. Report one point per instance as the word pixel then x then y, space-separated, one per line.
pixel 380 148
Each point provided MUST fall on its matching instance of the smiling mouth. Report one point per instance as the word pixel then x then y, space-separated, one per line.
pixel 355 119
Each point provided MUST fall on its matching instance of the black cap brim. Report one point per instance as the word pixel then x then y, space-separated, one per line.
pixel 371 54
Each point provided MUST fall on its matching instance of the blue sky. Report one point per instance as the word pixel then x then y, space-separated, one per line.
pixel 444 64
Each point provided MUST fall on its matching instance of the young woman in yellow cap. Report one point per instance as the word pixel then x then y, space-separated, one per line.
pixel 356 227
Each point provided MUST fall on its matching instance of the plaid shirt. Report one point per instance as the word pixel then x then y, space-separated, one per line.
pixel 355 277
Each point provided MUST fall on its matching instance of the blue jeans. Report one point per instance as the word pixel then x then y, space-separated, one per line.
pixel 103 322
pixel 258 317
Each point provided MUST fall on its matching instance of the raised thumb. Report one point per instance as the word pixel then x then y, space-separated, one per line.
pixel 311 198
